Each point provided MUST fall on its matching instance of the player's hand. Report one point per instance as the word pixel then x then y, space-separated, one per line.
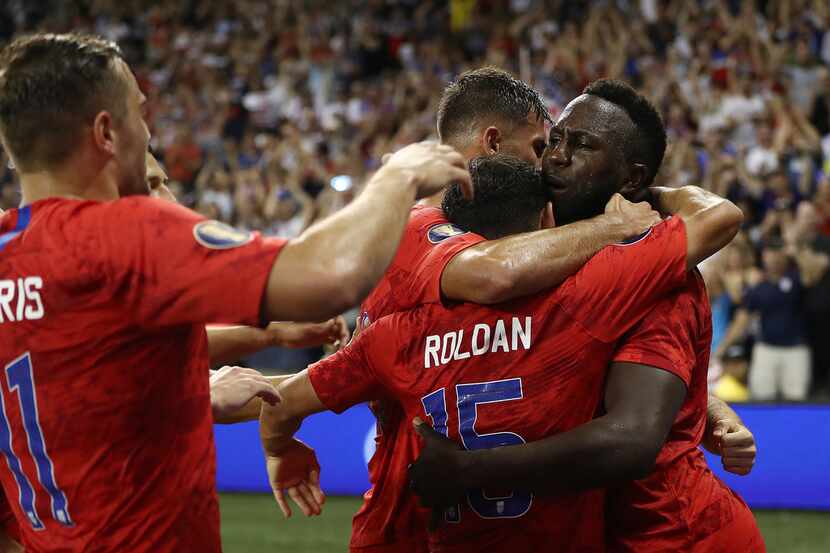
pixel 232 387
pixel 634 219
pixel 433 167
pixel 295 472
pixel 333 332
pixel 735 444
pixel 435 475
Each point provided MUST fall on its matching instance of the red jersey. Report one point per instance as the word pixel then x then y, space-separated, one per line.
pixel 681 505
pixel 388 519
pixel 494 376
pixel 106 422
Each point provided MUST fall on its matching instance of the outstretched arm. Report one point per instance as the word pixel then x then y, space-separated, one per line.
pixel 523 264
pixel 250 410
pixel 331 266
pixel 230 343
pixel 711 221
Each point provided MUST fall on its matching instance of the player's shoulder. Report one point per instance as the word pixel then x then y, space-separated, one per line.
pixel 688 304
pixel 429 224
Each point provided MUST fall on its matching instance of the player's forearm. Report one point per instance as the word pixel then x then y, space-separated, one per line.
pixel 718 410
pixel 523 264
pixel 336 262
pixel 230 343
pixel 252 409
pixel 597 454
pixel 276 429
pixel 711 221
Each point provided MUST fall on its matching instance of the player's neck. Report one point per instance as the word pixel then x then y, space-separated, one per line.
pixel 67 182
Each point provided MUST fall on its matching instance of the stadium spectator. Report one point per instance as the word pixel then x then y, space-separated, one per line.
pixel 780 358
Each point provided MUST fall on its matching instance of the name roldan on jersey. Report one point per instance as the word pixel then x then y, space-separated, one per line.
pixel 20 299
pixel 462 344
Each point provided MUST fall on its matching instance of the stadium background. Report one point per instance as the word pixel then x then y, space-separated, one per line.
pixel 269 114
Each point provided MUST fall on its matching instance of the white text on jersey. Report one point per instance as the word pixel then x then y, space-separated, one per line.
pixel 20 299
pixel 440 350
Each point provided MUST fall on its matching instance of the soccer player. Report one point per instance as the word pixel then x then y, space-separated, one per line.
pixel 106 420
pixel 610 139
pixel 491 376
pixel 485 111
pixel 230 343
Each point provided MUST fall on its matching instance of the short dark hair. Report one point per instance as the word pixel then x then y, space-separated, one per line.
pixel 649 146
pixel 50 86
pixel 486 91
pixel 509 195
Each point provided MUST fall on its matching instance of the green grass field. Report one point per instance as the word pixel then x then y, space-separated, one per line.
pixel 253 523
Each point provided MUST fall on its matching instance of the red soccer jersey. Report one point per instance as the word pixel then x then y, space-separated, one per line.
pixel 491 376
pixel 106 423
pixel 388 520
pixel 681 505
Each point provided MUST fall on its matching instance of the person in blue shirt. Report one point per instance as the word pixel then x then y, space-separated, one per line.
pixel 781 364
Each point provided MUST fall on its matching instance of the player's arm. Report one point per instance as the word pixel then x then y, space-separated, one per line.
pixel 335 383
pixel 523 264
pixel 251 410
pixel 278 423
pixel 619 446
pixel 292 466
pixel 232 388
pixel 230 343
pixel 726 435
pixel 711 221
pixel 336 262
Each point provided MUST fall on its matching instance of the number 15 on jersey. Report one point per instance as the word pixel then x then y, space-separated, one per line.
pixel 470 396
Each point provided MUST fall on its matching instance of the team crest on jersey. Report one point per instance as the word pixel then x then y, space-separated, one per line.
pixel 219 236
pixel 440 232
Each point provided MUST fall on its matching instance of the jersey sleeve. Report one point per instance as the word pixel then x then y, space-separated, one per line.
pixel 414 276
pixel 168 265
pixel 347 378
pixel 665 338
pixel 426 276
pixel 620 284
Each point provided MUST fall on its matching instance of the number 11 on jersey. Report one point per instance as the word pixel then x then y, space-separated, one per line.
pixel 20 379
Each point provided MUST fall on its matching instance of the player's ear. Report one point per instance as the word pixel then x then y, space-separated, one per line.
pixel 633 188
pixel 491 140
pixel 102 132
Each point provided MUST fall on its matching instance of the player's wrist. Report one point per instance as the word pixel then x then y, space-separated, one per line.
pixel 398 177
pixel 616 228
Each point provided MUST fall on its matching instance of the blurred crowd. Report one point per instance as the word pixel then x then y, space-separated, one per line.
pixel 269 114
